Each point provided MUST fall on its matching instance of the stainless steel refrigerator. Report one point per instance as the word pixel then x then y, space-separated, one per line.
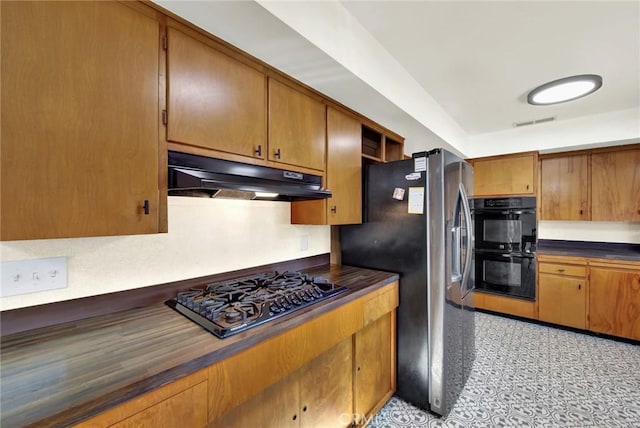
pixel 417 222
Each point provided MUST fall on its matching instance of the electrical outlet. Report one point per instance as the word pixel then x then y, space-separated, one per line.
pixel 32 276
pixel 304 242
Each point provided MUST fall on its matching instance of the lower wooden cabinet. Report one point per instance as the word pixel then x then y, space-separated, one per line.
pixel 316 395
pixel 374 367
pixel 182 403
pixel 333 370
pixel 506 305
pixel 562 293
pixel 614 299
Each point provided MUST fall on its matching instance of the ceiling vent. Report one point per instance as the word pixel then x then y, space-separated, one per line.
pixel 533 122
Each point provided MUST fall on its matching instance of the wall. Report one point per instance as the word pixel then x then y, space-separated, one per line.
pixel 206 236
pixel 597 231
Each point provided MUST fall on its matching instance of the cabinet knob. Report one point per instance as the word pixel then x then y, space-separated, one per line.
pixel 334 209
pixel 258 151
pixel 560 270
pixel 527 187
pixel 145 207
pixel 581 212
pixel 277 154
pixel 358 368
pixel 579 286
pixel 295 417
pixel 304 409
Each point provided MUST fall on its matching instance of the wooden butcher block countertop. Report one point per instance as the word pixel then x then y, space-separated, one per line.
pixel 63 374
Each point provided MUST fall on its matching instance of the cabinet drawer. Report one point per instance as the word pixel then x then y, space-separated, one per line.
pixel 381 304
pixel 560 269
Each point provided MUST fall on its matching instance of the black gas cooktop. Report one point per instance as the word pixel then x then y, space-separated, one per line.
pixel 228 308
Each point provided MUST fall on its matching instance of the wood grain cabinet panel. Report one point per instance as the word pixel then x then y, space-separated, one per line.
pixel 297 125
pixel 343 176
pixel 614 301
pixel 564 188
pixel 374 380
pixel 615 178
pixel 180 403
pixel 214 101
pixel 80 119
pixel 506 175
pixel 562 300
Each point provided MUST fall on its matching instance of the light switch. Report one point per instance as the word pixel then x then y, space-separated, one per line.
pixel 32 276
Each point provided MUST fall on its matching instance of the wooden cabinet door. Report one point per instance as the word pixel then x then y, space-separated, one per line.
pixel 373 382
pixel 614 302
pixel 505 175
pixel 296 127
pixel 214 101
pixel 562 300
pixel 344 168
pixel 277 406
pixel 615 183
pixel 344 176
pixel 326 388
pixel 564 188
pixel 80 119
pixel 185 409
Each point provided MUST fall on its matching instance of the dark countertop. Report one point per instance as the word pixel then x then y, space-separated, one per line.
pixel 595 250
pixel 63 374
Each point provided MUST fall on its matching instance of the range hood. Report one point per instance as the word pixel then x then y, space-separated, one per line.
pixel 192 175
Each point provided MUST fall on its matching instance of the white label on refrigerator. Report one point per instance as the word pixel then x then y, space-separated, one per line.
pixel 413 176
pixel 416 200
pixel 419 164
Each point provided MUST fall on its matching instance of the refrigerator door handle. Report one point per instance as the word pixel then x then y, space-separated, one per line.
pixel 456 244
pixel 469 221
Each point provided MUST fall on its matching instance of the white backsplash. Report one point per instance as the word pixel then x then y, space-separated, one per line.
pixel 598 231
pixel 206 236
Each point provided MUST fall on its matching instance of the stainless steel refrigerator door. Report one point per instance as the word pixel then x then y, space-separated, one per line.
pixel 468 285
pixel 450 271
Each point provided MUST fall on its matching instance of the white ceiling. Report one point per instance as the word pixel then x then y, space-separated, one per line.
pixel 449 73
pixel 479 59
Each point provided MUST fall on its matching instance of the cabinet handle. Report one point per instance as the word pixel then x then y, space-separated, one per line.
pixel 334 209
pixel 580 212
pixel 258 151
pixel 304 409
pixel 358 368
pixel 527 187
pixel 295 417
pixel 277 154
pixel 579 286
pixel 145 207
pixel 560 270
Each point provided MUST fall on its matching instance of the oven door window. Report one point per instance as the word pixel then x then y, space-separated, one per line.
pixel 502 273
pixel 502 231
pixel 506 274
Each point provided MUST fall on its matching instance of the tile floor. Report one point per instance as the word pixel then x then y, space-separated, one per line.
pixel 529 375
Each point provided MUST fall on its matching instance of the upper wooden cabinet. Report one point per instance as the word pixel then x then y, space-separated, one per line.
pixel 615 189
pixel 297 126
pixel 506 175
pixel 343 177
pixel 214 101
pixel 564 187
pixel 80 120
pixel 380 146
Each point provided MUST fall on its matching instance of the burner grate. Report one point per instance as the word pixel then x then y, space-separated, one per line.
pixel 227 308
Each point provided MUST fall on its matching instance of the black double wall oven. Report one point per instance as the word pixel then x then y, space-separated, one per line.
pixel 505 246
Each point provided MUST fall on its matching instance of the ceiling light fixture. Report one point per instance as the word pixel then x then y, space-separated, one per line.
pixel 566 89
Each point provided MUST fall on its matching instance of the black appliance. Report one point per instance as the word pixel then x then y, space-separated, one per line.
pixel 505 235
pixel 228 308
pixel 192 175
pixel 418 224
